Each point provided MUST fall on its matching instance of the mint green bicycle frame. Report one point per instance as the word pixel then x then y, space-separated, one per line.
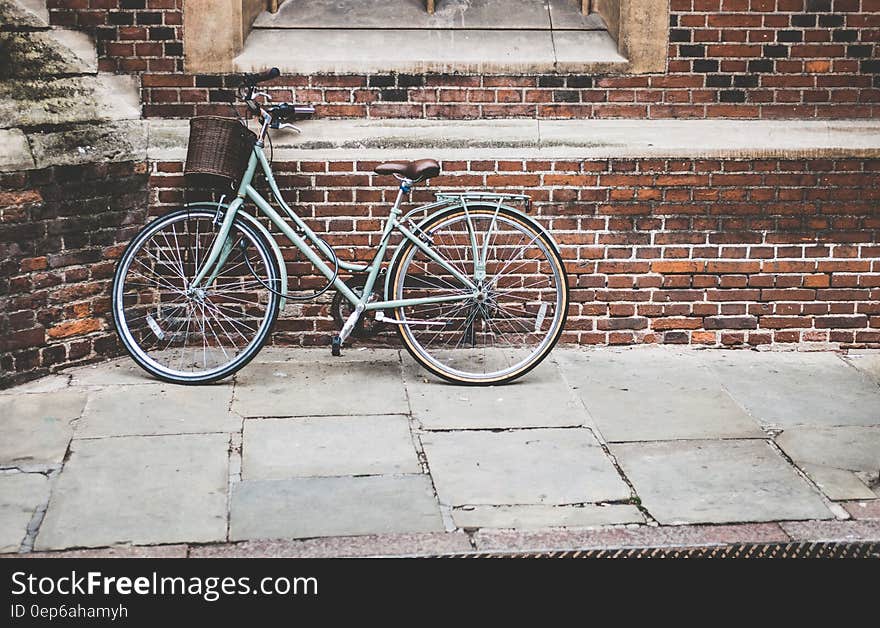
pixel 223 244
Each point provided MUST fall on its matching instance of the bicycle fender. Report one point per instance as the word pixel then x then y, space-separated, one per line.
pixel 276 250
pixel 447 208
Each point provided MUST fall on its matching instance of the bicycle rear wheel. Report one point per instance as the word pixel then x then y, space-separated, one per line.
pixel 513 321
pixel 185 335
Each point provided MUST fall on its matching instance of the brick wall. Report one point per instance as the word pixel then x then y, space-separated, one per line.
pixel 59 230
pixel 727 58
pixel 131 35
pixel 708 252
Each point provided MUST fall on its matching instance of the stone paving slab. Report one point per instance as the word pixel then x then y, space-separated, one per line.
pixel 544 516
pixel 639 395
pixel 275 449
pixel 790 389
pixel 420 544
pixel 541 399
pixel 535 466
pixel 717 482
pixel 832 531
pixel 20 495
pixel 320 389
pixel 867 362
pixel 620 537
pixel 152 410
pixel 837 484
pixel 853 448
pixel 37 427
pixel 336 506
pixel 830 456
pixel 139 490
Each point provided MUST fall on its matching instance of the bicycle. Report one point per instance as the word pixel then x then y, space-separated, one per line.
pixel 477 289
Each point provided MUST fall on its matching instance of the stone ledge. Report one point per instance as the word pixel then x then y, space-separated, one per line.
pixel 124 140
pixel 551 139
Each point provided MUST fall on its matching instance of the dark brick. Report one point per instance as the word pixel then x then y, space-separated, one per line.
pixel 381 80
pixel 745 80
pixel 580 82
pixel 732 95
pixel 206 80
pixel 804 21
pixel 566 96
pixel 776 51
pixel 830 21
pixel 706 65
pixel 393 95
pixel 859 51
pixel 845 35
pixel 870 67
pixel 790 36
pixel 719 80
pixel 697 50
pixel 551 81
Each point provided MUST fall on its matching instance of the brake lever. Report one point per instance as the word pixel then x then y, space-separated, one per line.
pixel 263 94
pixel 287 125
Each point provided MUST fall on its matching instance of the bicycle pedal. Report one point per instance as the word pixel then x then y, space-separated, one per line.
pixel 336 346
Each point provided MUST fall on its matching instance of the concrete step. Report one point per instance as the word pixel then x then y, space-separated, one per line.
pixel 305 51
pixel 386 140
pixel 46 53
pixel 40 102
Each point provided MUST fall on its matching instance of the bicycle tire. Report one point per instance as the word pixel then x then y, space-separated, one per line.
pixel 122 325
pixel 405 332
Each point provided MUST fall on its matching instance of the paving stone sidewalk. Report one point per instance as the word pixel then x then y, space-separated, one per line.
pixel 303 454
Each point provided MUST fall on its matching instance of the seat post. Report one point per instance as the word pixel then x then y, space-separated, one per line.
pixel 405 188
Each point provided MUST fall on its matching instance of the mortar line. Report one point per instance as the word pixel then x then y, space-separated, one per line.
pixel 233 461
pixel 415 434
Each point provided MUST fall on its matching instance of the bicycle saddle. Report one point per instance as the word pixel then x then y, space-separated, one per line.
pixel 419 169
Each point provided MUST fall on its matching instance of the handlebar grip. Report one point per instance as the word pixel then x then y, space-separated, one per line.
pixel 290 110
pixel 260 77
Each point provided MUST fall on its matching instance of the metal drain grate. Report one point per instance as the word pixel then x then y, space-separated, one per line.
pixel 751 550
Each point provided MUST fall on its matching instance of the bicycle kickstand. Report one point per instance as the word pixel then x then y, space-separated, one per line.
pixel 347 328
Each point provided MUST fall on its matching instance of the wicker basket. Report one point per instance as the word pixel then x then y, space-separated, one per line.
pixel 218 148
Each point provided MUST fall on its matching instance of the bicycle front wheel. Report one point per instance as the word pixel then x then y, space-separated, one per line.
pixel 505 327
pixel 194 334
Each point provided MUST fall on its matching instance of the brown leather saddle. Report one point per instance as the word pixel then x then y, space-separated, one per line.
pixel 413 170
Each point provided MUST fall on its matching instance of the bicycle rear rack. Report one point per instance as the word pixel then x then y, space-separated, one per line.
pixel 497 197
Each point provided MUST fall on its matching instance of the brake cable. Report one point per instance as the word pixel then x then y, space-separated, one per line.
pixel 243 246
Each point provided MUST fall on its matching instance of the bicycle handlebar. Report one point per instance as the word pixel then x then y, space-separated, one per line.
pixel 261 77
pixel 276 113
